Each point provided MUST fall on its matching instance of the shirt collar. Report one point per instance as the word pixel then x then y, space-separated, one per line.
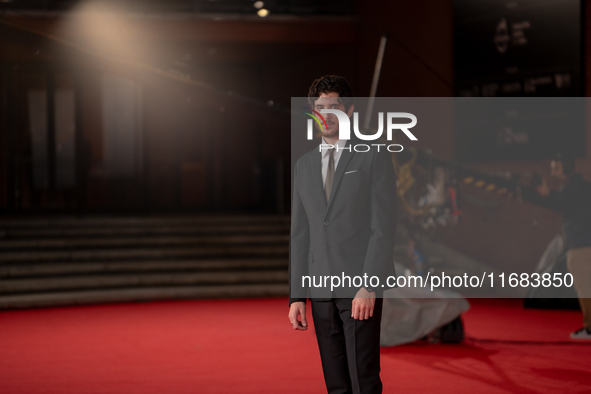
pixel 340 143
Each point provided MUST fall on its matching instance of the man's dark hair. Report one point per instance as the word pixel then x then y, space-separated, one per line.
pixel 328 84
pixel 568 163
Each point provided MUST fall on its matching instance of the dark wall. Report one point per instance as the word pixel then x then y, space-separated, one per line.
pixel 213 96
pixel 418 63
pixel 196 136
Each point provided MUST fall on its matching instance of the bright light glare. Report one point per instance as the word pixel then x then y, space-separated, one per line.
pixel 107 29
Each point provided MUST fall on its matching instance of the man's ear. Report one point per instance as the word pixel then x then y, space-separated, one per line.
pixel 350 110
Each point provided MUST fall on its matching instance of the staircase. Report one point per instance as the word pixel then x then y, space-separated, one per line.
pixel 65 260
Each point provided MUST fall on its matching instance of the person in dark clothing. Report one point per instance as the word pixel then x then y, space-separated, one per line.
pixel 573 201
pixel 343 222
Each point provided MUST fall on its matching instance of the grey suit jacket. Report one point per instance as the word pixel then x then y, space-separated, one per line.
pixel 353 233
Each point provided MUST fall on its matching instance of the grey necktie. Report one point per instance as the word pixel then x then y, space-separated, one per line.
pixel 329 174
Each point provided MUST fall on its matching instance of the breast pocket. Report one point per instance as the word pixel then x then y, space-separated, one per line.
pixel 352 178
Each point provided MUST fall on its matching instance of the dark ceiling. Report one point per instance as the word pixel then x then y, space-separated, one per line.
pixel 295 7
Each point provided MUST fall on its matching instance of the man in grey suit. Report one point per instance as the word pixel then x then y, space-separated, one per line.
pixel 343 222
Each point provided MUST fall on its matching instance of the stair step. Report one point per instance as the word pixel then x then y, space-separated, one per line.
pixel 141 280
pixel 144 253
pixel 68 260
pixel 143 230
pixel 89 267
pixel 39 300
pixel 119 221
pixel 205 240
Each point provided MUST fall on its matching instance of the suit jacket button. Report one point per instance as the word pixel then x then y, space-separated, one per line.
pixel 326 223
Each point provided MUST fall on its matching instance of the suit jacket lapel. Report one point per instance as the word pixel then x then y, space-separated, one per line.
pixel 341 167
pixel 317 178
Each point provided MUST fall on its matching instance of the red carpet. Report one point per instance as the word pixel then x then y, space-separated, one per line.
pixel 248 346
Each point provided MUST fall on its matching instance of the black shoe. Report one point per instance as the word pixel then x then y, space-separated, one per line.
pixel 583 333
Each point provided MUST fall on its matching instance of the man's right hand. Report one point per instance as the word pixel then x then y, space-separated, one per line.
pixel 298 309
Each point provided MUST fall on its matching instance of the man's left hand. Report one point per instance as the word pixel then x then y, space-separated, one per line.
pixel 363 304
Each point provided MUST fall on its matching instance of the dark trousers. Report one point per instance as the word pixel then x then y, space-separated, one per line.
pixel 349 348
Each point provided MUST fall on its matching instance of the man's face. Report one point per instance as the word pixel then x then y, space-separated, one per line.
pixel 557 170
pixel 331 101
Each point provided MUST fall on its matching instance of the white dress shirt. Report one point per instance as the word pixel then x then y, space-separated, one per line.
pixel 325 157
